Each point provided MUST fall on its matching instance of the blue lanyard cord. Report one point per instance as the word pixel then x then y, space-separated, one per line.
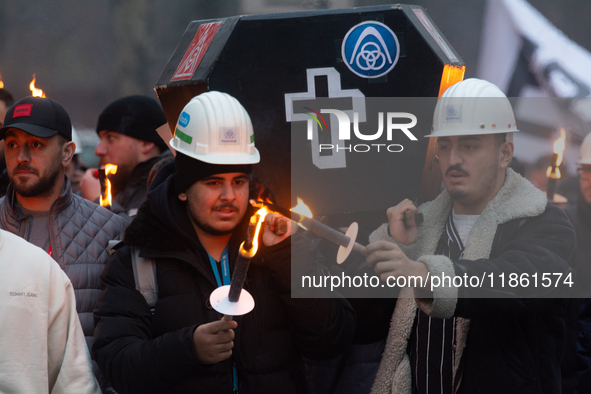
pixel 225 268
pixel 226 281
pixel 235 378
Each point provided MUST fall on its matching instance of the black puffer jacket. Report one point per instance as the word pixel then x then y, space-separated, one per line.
pixel 144 353
pixel 79 234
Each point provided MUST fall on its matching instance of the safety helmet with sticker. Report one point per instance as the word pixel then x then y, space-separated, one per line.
pixel 473 107
pixel 215 128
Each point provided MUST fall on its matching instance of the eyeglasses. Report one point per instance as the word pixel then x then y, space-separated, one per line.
pixel 584 172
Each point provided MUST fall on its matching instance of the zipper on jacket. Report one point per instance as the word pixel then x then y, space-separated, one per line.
pixel 24 228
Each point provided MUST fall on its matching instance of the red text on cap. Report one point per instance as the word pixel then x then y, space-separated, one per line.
pixel 22 110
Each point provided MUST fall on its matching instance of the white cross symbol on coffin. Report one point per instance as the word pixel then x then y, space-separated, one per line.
pixel 336 159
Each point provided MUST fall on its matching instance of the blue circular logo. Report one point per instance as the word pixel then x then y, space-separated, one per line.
pixel 370 49
pixel 184 119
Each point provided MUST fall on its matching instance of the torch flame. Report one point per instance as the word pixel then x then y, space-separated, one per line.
pixel 302 209
pixel 1 83
pixel 559 145
pixel 109 169
pixel 257 218
pixel 35 92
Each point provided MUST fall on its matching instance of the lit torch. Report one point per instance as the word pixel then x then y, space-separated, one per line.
pixel 1 83
pixel 553 172
pixel 303 216
pixel 233 300
pixel 35 92
pixel 105 198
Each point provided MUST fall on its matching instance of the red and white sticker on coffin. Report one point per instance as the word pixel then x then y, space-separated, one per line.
pixel 196 50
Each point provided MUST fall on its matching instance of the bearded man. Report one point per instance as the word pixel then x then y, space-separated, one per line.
pixel 39 205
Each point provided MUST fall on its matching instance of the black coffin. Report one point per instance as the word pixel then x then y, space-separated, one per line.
pixel 270 63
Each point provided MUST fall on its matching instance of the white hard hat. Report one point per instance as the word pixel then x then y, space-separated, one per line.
pixel 585 151
pixel 473 107
pixel 215 128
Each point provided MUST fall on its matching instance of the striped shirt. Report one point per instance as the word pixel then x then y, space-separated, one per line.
pixel 432 343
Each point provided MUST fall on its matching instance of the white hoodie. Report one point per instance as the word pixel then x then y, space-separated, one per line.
pixel 42 347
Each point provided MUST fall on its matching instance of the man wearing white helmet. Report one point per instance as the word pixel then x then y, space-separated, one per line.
pixel 488 220
pixel 191 225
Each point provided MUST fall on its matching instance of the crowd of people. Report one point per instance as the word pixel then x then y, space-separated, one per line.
pixel 118 300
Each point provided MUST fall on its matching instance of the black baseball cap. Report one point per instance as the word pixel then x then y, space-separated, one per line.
pixel 41 117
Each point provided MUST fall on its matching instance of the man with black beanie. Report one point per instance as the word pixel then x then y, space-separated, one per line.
pixel 127 129
pixel 167 338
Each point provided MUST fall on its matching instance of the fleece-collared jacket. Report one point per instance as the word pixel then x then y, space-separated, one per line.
pixel 42 347
pixel 79 234
pixel 141 352
pixel 504 345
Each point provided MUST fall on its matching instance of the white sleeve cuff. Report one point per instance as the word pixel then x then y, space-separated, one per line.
pixel 445 296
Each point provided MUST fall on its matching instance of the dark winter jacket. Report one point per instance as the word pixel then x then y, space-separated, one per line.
pixel 580 217
pixel 142 352
pixel 580 323
pixel 584 349
pixel 127 200
pixel 504 345
pixel 79 234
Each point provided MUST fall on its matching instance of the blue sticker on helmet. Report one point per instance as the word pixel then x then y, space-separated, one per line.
pixel 184 119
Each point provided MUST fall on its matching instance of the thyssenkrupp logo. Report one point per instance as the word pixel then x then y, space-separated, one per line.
pixel 370 49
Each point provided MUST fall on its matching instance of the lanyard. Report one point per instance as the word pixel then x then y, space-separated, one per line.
pixel 226 281
pixel 225 268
